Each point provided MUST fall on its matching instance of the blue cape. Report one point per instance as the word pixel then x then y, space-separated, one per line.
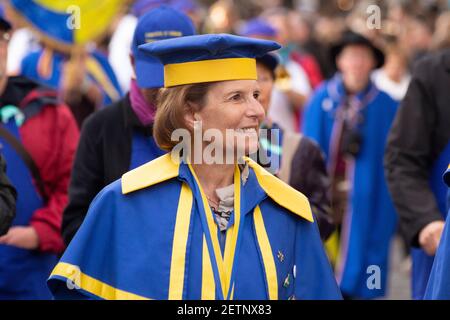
pixel 151 235
pixel 439 281
pixel 23 272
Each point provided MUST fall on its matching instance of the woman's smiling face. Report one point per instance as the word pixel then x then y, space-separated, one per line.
pixel 232 107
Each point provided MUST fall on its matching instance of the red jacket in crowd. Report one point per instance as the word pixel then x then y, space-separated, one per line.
pixel 50 135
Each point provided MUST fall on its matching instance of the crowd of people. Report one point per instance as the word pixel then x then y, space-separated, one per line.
pixel 342 110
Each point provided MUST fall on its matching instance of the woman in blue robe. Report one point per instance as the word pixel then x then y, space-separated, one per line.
pixel 186 228
pixel 438 287
pixel 350 119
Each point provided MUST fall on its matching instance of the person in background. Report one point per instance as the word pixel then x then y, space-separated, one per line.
pixel 38 135
pixel 417 153
pixel 302 38
pixel 394 77
pixel 123 131
pixel 302 26
pixel 441 37
pixel 418 39
pixel 350 118
pixel 8 197
pixel 438 287
pixel 280 109
pixel 123 36
pixel 8 193
pixel 293 83
pixel 85 80
pixel 292 157
pixel 328 31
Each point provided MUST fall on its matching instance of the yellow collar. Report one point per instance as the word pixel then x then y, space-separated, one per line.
pixel 281 192
pixel 164 168
pixel 151 173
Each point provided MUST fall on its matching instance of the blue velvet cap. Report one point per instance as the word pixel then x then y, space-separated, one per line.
pixel 160 23
pixel 209 57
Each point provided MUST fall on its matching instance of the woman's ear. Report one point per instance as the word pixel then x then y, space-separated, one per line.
pixel 191 116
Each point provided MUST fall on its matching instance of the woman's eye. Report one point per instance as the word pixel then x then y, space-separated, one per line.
pixel 256 95
pixel 236 97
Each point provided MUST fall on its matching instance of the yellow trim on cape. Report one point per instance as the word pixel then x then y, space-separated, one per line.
pixel 281 192
pixel 209 71
pixel 180 238
pixel 224 263
pixel 267 255
pixel 83 281
pixel 165 168
pixel 150 173
pixel 208 282
pixel 232 232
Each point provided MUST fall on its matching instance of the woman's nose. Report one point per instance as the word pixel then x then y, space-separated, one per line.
pixel 256 110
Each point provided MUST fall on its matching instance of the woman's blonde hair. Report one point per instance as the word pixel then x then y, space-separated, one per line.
pixel 172 105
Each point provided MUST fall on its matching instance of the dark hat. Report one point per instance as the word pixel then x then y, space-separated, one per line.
pixel 353 38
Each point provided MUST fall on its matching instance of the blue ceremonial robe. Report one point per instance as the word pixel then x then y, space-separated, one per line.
pixel 422 262
pixel 23 272
pixel 35 66
pixel 439 281
pixel 151 235
pixel 370 220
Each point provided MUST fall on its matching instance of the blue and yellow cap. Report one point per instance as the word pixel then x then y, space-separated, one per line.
pixel 160 23
pixel 208 57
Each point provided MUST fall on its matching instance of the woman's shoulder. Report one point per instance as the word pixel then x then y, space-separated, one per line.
pixel 153 177
pixel 280 193
pixel 143 193
pixel 152 173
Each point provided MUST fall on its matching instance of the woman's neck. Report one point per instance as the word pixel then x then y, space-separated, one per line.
pixel 214 176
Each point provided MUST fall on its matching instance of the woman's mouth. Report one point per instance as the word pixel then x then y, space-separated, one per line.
pixel 246 130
